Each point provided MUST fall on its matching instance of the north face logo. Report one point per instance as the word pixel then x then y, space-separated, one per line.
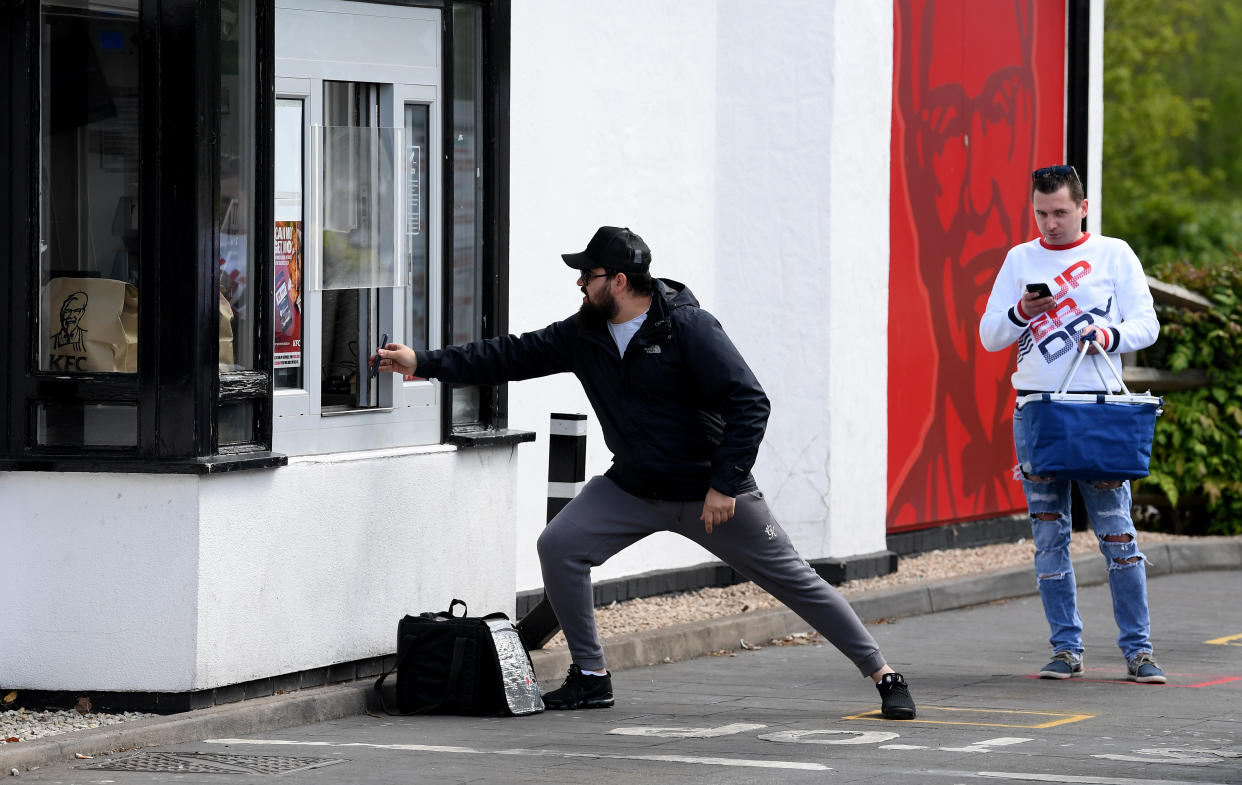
pixel 652 349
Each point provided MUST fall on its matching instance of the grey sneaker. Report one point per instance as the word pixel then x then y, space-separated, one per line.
pixel 1144 669
pixel 1064 665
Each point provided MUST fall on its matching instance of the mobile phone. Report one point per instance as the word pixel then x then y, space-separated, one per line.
pixel 1039 288
pixel 375 364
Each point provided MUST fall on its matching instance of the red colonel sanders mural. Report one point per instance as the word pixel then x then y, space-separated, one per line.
pixel 978 103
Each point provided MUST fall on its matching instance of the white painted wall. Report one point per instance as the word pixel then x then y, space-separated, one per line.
pixel 175 583
pixel 802 238
pixel 858 176
pixel 713 129
pixel 99 581
pixel 613 122
pixel 352 543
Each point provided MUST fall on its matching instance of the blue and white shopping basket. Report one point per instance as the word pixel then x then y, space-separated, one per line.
pixel 1089 436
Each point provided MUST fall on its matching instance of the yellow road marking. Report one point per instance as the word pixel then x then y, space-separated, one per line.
pixel 1060 718
pixel 1228 640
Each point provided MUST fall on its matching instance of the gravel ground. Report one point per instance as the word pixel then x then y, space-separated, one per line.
pixel 646 613
pixel 22 725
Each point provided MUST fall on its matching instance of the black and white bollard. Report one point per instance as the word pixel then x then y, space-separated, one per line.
pixel 566 460
pixel 566 476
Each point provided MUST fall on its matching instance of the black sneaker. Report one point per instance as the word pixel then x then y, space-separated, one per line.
pixel 581 691
pixel 895 700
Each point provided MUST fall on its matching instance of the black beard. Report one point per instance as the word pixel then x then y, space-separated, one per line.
pixel 592 315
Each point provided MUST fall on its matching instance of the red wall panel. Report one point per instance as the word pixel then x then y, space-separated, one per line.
pixel 978 103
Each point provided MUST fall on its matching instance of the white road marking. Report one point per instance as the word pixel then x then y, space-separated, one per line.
pixel 987 744
pixel 686 733
pixel 732 762
pixel 852 736
pixel 1003 741
pixel 902 747
pixel 1077 780
pixel 1192 756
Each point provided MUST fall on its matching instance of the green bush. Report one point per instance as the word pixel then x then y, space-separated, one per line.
pixel 1196 464
pixel 1172 188
pixel 1165 229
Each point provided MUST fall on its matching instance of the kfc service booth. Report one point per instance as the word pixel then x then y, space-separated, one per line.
pixel 214 213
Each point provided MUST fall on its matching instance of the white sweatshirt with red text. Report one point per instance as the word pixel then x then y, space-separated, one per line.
pixel 1096 281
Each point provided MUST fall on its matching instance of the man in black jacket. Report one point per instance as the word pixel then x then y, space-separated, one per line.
pixel 683 416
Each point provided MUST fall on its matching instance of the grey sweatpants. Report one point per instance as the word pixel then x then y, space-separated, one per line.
pixel 603 519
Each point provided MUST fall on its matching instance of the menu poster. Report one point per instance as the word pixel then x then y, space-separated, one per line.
pixel 288 289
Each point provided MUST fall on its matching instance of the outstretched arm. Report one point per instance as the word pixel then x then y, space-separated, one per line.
pixel 491 361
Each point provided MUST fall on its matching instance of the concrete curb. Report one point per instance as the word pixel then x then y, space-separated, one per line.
pixel 667 644
pixel 252 716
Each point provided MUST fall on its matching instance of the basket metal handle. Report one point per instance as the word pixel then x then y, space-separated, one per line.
pixel 1082 354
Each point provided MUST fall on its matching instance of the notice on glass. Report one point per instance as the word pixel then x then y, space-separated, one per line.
pixel 414 204
pixel 288 346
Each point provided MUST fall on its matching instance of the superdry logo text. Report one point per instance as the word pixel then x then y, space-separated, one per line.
pixel 1054 333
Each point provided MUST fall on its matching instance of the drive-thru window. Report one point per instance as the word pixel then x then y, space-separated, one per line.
pixel 216 211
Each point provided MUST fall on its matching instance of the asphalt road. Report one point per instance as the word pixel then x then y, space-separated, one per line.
pixel 795 714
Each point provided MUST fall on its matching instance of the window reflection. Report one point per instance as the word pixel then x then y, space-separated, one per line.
pixel 468 163
pixel 86 425
pixel 417 221
pixel 237 151
pixel 235 421
pixel 356 244
pixel 88 187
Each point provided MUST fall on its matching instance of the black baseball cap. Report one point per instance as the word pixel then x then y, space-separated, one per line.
pixel 613 248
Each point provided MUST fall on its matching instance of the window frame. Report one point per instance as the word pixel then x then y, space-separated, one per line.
pixel 252 386
pixel 179 388
pixel 178 378
pixel 496 21
pixel 407 413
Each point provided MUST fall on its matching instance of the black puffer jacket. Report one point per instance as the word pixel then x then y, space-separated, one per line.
pixel 680 411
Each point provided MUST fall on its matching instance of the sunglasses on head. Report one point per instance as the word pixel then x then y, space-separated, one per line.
pixel 1062 170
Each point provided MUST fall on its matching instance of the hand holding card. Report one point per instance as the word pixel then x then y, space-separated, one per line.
pixel 375 361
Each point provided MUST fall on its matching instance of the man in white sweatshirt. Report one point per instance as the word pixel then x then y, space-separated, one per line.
pixel 1096 290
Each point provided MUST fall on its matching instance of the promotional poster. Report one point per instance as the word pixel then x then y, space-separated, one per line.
pixel 978 104
pixel 288 289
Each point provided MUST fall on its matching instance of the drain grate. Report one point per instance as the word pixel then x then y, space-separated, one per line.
pixel 210 763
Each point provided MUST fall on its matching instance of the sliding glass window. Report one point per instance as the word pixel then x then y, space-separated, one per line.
pixel 468 303
pixel 89 213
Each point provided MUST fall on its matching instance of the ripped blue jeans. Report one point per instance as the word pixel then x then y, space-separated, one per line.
pixel 1109 509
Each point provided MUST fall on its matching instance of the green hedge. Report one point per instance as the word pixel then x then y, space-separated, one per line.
pixel 1165 229
pixel 1196 465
